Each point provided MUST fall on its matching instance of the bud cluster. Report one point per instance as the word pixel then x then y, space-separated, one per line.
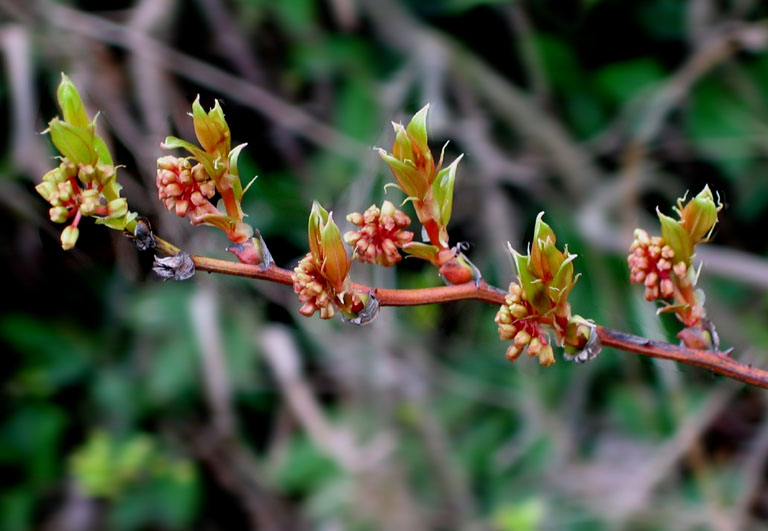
pixel 664 264
pixel 84 184
pixel 313 290
pixel 650 263
pixel 516 322
pixel 185 189
pixel 430 189
pixel 322 277
pixel 540 299
pixel 381 234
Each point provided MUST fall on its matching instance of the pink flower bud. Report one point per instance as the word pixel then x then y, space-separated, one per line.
pixel 546 356
pixel 513 352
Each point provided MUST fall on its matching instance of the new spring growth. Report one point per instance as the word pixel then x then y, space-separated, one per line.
pixel 321 278
pixel 430 189
pixel 84 184
pixel 537 303
pixel 664 264
pixel 187 185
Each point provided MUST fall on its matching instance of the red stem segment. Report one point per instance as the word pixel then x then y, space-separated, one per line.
pixel 716 362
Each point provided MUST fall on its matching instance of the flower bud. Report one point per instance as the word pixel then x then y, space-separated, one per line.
pixel 65 191
pixel 356 218
pixel 117 208
pixel 86 173
pixel 513 352
pixel 547 356
pixel 535 346
pixel 69 237
pixel 518 311
pixel 522 338
pixel 89 201
pixel 48 190
pixel 105 173
pixel 58 214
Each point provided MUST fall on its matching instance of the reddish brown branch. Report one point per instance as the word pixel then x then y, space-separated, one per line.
pixel 716 362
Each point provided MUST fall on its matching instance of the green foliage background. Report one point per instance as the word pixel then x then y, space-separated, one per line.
pixel 130 404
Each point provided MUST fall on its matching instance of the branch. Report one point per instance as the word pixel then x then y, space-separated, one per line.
pixel 716 361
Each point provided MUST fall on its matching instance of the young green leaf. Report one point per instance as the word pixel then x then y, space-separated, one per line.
pixel 442 191
pixel 75 143
pixel 71 104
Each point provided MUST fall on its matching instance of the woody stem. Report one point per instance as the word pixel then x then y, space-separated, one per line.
pixel 717 362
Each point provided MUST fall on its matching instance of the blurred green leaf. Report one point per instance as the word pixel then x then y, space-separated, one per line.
pixel 29 439
pixel 525 515
pixel 621 82
pixel 16 509
pixel 303 467
pixel 53 355
pixel 720 127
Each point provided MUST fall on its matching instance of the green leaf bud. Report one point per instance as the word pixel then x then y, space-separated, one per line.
pixel 71 104
pixel 699 216
pixel 674 235
pixel 73 142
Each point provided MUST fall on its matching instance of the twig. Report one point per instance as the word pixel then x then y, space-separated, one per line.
pixel 204 314
pixel 248 94
pixel 717 362
pixel 711 52
pixel 402 31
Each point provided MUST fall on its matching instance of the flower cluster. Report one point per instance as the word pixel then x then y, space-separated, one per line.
pixel 515 323
pixel 650 263
pixel 321 279
pixel 430 190
pixel 84 184
pixel 664 264
pixel 539 301
pixel 187 189
pixel 312 288
pixel 381 234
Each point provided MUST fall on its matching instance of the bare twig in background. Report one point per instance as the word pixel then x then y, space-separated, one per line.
pixel 753 468
pixel 27 149
pixel 221 446
pixel 281 355
pixel 404 33
pixel 150 17
pixel 229 41
pixel 711 52
pixel 204 313
pixel 237 89
pixel 516 14
pixel 379 492
pixel 234 468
